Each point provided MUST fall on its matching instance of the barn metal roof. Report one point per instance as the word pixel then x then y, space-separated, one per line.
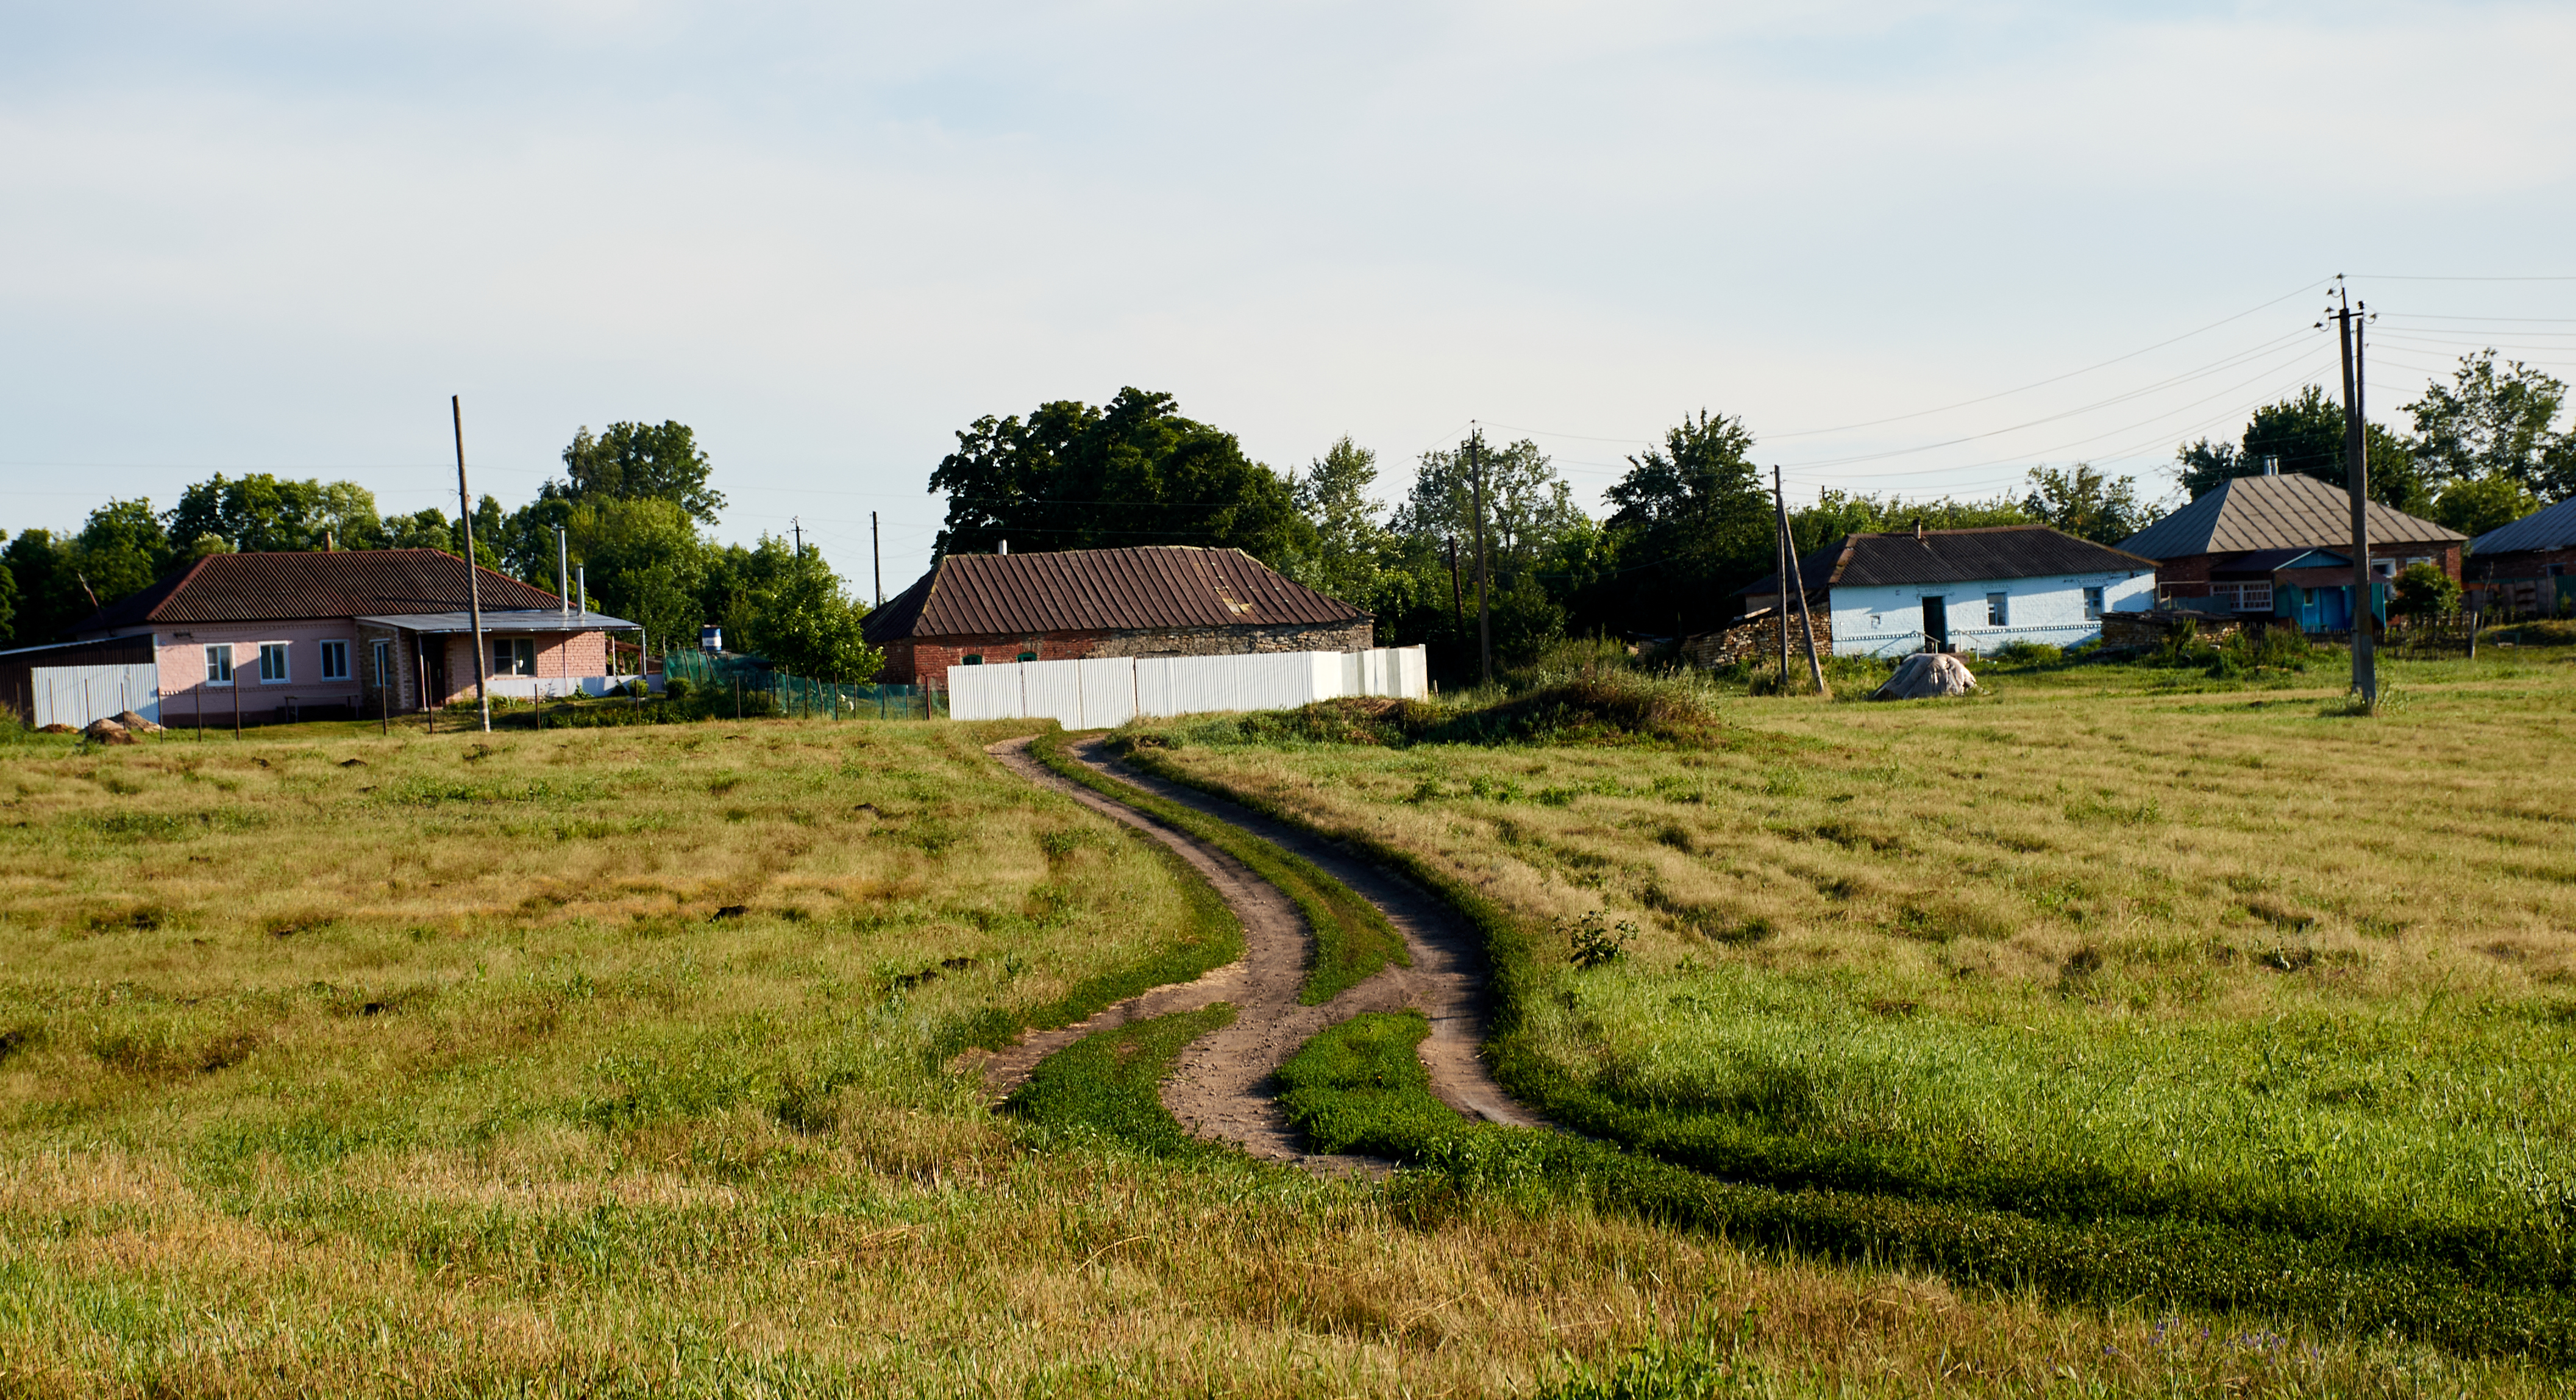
pixel 2290 511
pixel 1987 554
pixel 342 583
pixel 2554 528
pixel 1083 590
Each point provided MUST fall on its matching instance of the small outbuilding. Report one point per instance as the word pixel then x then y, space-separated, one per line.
pixel 2528 566
pixel 1161 600
pixel 1959 590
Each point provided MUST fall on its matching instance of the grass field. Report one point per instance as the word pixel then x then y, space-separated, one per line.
pixel 625 1061
pixel 2107 942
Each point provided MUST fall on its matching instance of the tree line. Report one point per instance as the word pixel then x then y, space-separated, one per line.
pixel 1689 522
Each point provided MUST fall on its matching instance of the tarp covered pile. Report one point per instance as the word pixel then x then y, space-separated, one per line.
pixel 1925 675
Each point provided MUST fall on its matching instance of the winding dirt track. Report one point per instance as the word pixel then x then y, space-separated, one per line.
pixel 1220 1088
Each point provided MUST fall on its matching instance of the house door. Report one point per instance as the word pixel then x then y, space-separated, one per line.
pixel 1936 622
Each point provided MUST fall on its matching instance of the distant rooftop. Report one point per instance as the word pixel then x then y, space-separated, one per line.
pixel 2290 511
pixel 339 583
pixel 1087 590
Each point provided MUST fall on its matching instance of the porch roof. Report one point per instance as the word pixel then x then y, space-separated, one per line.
pixel 503 620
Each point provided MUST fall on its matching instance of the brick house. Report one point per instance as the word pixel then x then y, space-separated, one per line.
pixel 345 634
pixel 2528 566
pixel 1163 600
pixel 1969 590
pixel 2269 546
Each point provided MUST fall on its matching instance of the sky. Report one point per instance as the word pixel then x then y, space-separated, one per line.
pixel 1918 247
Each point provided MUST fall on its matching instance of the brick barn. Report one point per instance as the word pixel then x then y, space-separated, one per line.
pixel 1164 600
pixel 2281 547
pixel 344 634
pixel 2528 566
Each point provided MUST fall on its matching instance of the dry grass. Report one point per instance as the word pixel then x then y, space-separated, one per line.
pixel 441 1075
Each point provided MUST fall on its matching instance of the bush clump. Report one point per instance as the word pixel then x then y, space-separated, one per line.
pixel 1611 707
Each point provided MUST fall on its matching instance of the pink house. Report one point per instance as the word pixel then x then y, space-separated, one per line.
pixel 347 635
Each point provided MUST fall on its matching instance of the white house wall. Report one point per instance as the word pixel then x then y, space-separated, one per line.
pixel 1887 620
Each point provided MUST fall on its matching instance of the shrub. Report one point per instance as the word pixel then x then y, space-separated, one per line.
pixel 2023 652
pixel 1596 942
pixel 678 688
pixel 2424 591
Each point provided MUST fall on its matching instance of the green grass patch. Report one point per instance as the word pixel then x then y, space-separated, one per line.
pixel 1353 940
pixel 1108 1084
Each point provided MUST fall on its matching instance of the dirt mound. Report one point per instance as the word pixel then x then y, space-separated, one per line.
pixel 1925 675
pixel 58 729
pixel 137 723
pixel 107 731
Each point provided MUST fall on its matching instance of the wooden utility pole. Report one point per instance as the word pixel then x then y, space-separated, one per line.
pixel 1797 576
pixel 473 575
pixel 1484 608
pixel 1780 598
pixel 797 524
pixel 1457 592
pixel 876 553
pixel 2356 439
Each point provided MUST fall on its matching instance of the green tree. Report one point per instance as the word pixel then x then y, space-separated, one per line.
pixel 2480 504
pixel 639 461
pixel 261 513
pixel 1348 555
pixel 1132 472
pixel 121 549
pixel 2304 434
pixel 1530 521
pixel 645 561
pixel 2424 590
pixel 2086 504
pixel 1694 520
pixel 8 597
pixel 807 625
pixel 1838 513
pixel 47 584
pixel 422 529
pixel 2491 422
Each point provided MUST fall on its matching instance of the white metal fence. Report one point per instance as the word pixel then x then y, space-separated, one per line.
pixel 557 687
pixel 75 695
pixel 1100 692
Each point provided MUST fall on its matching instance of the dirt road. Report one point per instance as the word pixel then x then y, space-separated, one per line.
pixel 1220 1088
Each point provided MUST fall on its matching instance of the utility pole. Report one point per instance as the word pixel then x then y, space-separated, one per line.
pixel 1780 601
pixel 876 554
pixel 1798 576
pixel 473 575
pixel 1484 608
pixel 2356 439
pixel 1457 594
pixel 797 524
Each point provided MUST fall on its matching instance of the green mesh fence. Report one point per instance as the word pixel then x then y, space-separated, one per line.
pixel 801 698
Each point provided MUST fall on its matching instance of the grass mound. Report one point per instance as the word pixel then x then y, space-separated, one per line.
pixel 1600 708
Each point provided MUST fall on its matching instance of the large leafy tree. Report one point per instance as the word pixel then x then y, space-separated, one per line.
pixel 1346 556
pixel 1130 472
pixel 807 624
pixel 1694 521
pixel 50 597
pixel 2085 503
pixel 645 561
pixel 1538 543
pixel 2480 504
pixel 260 512
pixel 2305 434
pixel 1839 513
pixel 640 461
pixel 2496 421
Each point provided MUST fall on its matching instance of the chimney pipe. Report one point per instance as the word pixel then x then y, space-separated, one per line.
pixel 1006 549
pixel 1918 527
pixel 2271 466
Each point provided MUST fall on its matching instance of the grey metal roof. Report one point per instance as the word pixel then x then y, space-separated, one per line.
pixel 1982 555
pixel 2290 511
pixel 1083 590
pixel 2553 528
pixel 504 620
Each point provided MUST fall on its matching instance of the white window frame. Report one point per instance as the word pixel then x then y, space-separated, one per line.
pixel 512 646
pixel 219 656
pixel 380 654
pixel 285 663
pixel 2254 597
pixel 1999 609
pixel 328 648
pixel 2095 596
pixel 2383 568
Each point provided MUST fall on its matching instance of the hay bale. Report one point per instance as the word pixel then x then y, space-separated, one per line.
pixel 101 728
pixel 1926 675
pixel 137 723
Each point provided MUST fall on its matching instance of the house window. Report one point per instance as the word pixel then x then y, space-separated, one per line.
pixel 1998 610
pixel 972 658
pixel 514 656
pixel 1028 656
pixel 272 663
pixel 2092 605
pixel 1877 622
pixel 219 665
pixel 2411 563
pixel 2383 568
pixel 335 661
pixel 380 652
pixel 2254 598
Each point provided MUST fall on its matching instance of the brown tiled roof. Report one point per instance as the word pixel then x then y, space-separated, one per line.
pixel 2290 511
pixel 1979 555
pixel 344 583
pixel 1083 590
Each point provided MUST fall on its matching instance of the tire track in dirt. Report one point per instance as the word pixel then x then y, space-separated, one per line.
pixel 1220 1088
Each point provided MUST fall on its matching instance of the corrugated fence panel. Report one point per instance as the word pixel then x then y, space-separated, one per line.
pixel 1154 685
pixel 1108 691
pixel 1054 691
pixel 985 692
pixel 75 695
